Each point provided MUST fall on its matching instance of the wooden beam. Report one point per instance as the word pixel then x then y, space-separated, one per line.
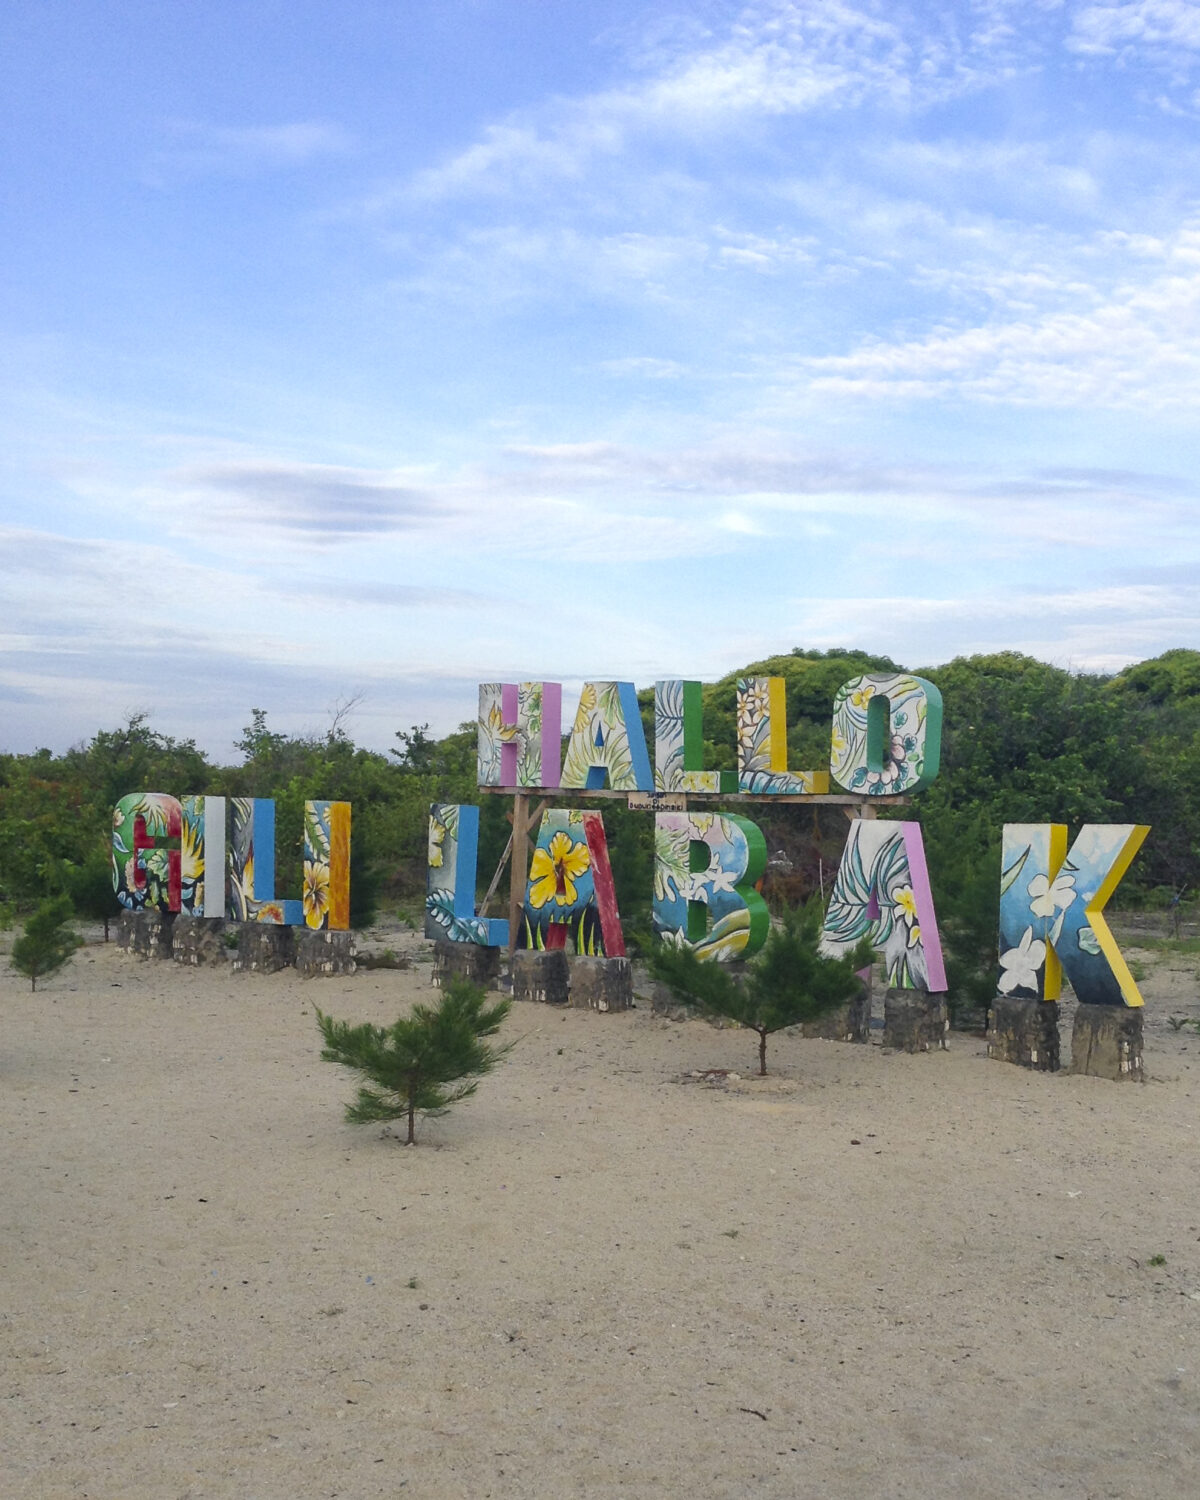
pixel 491 890
pixel 710 801
pixel 518 866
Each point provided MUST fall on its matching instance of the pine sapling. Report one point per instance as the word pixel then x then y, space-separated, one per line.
pixel 422 1063
pixel 789 982
pixel 46 941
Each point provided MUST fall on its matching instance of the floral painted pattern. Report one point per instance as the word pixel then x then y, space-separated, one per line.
pixel 607 744
pixel 705 866
pixel 491 733
pixel 245 903
pixel 875 895
pixel 450 879
pixel 561 889
pixel 538 710
pixel 1050 904
pixel 762 742
pixel 678 723
pixel 887 734
pixel 554 869
pixel 161 816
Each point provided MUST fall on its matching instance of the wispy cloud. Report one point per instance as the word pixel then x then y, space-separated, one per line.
pixel 1148 26
pixel 1134 343
pixel 320 503
pixel 197 149
pixel 768 61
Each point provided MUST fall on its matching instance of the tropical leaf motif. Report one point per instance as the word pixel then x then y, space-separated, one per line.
pixel 439 909
pixel 872 898
pixel 668 735
pixel 488 743
pixel 600 737
pixel 764 783
pixel 671 863
pixel 1008 878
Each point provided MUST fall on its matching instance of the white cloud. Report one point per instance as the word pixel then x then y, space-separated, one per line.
pixel 1132 344
pixel 772 60
pixel 1138 24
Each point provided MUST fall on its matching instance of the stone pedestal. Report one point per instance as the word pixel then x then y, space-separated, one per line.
pixel 1107 1042
pixel 848 1023
pixel 264 948
pixel 146 934
pixel 199 940
pixel 601 983
pixel 915 1021
pixel 465 961
pixel 1024 1032
pixel 540 976
pixel 319 952
pixel 664 1002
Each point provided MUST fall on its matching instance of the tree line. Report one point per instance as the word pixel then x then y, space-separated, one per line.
pixel 1022 742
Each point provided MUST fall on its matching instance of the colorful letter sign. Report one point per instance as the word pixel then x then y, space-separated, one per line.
pixel 450 881
pixel 520 733
pixel 147 859
pixel 882 893
pixel 705 867
pixel 175 856
pixel 762 742
pixel 679 741
pixel 570 890
pixel 607 745
pixel 1051 911
pixel 887 734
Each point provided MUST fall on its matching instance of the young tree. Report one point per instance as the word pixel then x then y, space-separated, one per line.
pixel 790 981
pixel 424 1062
pixel 46 942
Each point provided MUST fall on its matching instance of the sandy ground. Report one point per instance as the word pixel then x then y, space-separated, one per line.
pixel 869 1275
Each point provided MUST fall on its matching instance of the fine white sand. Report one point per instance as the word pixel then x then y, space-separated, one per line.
pixel 868 1275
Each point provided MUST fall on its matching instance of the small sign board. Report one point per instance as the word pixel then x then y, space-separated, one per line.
pixel 658 801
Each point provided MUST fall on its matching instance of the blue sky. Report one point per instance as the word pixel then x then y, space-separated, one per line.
pixel 374 350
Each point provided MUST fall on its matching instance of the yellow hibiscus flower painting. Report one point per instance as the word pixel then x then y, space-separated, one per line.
pixel 316 891
pixel 554 870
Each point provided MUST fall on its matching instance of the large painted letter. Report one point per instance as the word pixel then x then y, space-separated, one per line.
pixel 570 891
pixel 520 734
pixel 679 741
pixel 326 898
pixel 887 734
pixel 450 881
pixel 607 743
pixel 146 860
pixel 762 742
pixel 202 845
pixel 882 893
pixel 1052 911
pixel 705 867
pixel 252 866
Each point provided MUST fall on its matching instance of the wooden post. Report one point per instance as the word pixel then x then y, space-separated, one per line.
pixel 518 869
pixel 491 890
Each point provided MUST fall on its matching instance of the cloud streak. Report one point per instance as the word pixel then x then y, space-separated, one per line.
pixel 199 149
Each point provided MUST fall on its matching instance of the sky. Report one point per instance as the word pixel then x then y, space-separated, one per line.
pixel 353 355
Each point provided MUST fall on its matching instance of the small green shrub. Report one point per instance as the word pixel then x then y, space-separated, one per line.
pixel 422 1063
pixel 46 942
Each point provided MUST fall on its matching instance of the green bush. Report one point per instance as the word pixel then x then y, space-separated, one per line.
pixel 422 1063
pixel 46 942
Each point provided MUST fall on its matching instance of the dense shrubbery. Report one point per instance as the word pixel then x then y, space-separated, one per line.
pixel 1023 742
